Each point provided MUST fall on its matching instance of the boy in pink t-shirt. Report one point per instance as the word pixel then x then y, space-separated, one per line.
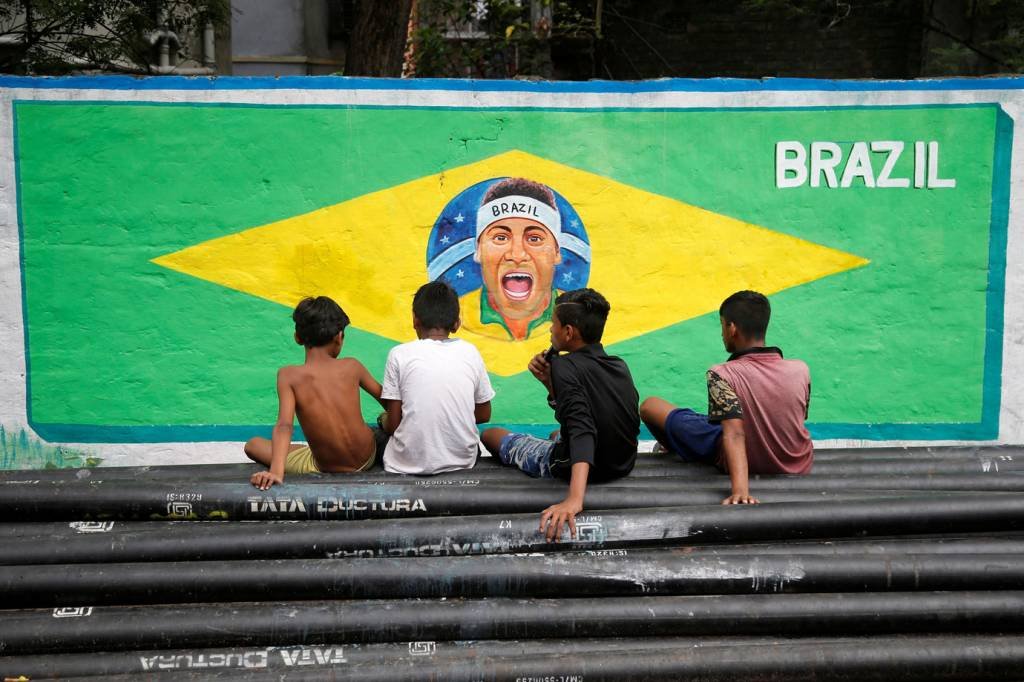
pixel 757 404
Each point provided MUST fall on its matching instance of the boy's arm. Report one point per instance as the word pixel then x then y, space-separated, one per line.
pixel 724 408
pixel 574 413
pixel 391 393
pixel 565 511
pixel 393 410
pixel 281 437
pixel 576 418
pixel 483 394
pixel 734 451
pixel 540 368
pixel 369 384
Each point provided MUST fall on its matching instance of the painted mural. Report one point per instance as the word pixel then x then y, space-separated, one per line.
pixel 157 240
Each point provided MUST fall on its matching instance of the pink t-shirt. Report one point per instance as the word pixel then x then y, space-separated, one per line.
pixel 771 396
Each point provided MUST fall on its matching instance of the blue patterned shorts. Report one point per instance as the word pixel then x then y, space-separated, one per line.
pixel 530 454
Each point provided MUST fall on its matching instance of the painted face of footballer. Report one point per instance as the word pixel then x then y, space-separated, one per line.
pixel 517 261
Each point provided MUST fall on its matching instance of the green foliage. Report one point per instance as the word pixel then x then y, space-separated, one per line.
pixel 493 39
pixel 993 32
pixel 1007 43
pixel 827 13
pixel 60 36
pixel 21 451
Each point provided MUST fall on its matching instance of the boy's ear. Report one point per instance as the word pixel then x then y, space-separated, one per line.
pixel 458 323
pixel 297 339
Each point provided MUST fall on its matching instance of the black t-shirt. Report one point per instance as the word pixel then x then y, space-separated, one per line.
pixel 596 405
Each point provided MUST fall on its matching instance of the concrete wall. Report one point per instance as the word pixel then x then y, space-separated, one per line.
pixel 154 235
pixel 283 38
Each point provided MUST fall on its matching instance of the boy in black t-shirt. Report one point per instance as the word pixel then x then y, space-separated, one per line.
pixel 595 403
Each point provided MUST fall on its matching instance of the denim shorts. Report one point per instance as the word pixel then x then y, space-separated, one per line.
pixel 691 436
pixel 529 453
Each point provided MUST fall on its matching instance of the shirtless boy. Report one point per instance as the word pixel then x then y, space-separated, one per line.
pixel 324 394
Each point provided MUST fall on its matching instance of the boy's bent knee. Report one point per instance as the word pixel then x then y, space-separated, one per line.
pixel 491 438
pixel 653 408
pixel 253 447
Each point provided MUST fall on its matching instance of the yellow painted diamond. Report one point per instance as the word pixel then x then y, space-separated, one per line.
pixel 659 261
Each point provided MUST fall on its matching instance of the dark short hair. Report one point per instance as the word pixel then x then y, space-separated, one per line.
pixel 521 187
pixel 749 311
pixel 584 309
pixel 436 305
pixel 318 320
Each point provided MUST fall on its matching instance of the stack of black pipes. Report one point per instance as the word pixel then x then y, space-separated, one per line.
pixel 882 564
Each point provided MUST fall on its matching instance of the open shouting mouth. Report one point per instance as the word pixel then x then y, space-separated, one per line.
pixel 517 285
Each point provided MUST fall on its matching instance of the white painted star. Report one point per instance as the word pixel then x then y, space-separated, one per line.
pixel 460 218
pixel 460 274
pixel 574 222
pixel 445 239
pixel 567 277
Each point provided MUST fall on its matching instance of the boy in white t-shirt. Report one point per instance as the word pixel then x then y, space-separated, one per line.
pixel 436 390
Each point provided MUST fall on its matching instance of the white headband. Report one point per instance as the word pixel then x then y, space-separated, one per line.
pixel 519 207
pixel 507 207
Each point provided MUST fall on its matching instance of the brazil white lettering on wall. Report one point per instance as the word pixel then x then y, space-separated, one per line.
pixel 871 164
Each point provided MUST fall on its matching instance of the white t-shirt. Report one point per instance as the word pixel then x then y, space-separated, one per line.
pixel 440 383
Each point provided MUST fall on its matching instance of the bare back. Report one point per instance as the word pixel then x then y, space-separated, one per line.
pixel 327 407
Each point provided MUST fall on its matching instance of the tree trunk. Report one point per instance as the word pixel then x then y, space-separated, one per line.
pixel 377 43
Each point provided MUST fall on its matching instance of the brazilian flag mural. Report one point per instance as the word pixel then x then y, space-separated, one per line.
pixel 165 235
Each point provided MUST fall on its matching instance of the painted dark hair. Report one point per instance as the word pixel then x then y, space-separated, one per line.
pixel 523 188
pixel 749 311
pixel 318 320
pixel 584 309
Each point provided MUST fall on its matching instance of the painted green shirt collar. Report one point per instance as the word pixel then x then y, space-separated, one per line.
pixel 489 315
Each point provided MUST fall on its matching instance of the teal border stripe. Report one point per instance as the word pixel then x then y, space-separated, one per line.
pixel 985 429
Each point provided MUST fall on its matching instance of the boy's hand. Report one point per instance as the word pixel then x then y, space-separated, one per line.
pixel 264 479
pixel 554 516
pixel 741 498
pixel 541 369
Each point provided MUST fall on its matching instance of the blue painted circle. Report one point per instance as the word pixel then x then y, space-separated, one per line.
pixel 457 223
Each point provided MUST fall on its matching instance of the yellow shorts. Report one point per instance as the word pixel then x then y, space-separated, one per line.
pixel 301 461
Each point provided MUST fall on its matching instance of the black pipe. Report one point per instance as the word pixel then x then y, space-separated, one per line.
pixel 125 533
pixel 509 533
pixel 935 545
pixel 920 657
pixel 926 477
pixel 1004 481
pixel 126 500
pixel 118 628
pixel 1008 457
pixel 344 656
pixel 719 484
pixel 670 467
pixel 608 573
